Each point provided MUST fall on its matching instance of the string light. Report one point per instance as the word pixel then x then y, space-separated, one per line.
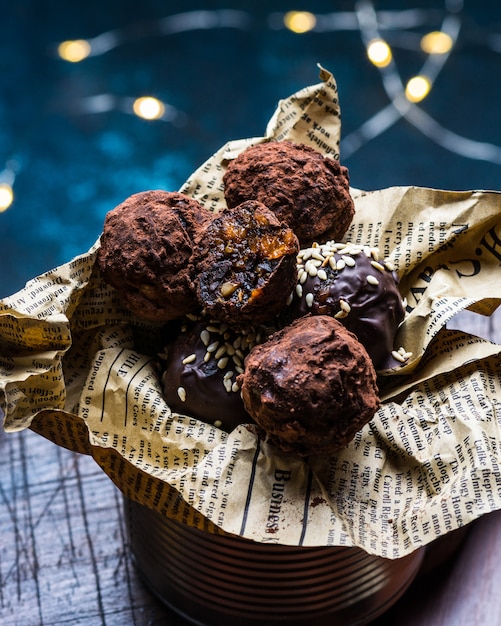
pixel 436 42
pixel 148 108
pixel 379 53
pixel 74 51
pixel 6 196
pixel 300 21
pixel 417 88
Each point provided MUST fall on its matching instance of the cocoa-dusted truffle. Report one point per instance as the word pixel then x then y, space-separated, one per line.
pixel 354 284
pixel 303 188
pixel 311 386
pixel 146 250
pixel 245 264
pixel 201 369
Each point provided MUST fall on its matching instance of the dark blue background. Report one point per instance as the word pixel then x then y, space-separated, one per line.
pixel 74 167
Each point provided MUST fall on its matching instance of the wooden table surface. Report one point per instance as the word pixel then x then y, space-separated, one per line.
pixel 64 558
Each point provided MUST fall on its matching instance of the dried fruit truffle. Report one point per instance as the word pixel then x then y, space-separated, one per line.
pixel 311 386
pixel 245 265
pixel 146 253
pixel 303 188
pixel 201 370
pixel 359 288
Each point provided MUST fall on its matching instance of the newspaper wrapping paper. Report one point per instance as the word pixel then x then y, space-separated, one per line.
pixel 429 461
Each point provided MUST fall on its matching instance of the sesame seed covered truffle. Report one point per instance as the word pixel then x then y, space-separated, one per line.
pixel 245 264
pixel 311 386
pixel 201 369
pixel 146 253
pixel 355 285
pixel 306 190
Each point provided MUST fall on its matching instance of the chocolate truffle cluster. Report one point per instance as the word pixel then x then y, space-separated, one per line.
pixel 277 328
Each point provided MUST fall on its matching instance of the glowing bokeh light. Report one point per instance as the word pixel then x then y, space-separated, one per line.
pixel 436 42
pixel 379 52
pixel 300 21
pixel 6 196
pixel 148 108
pixel 74 51
pixel 417 88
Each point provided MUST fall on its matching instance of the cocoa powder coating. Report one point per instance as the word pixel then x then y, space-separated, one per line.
pixel 303 188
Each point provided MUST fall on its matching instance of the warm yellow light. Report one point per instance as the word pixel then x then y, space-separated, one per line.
pixel 6 196
pixel 379 52
pixel 417 88
pixel 74 51
pixel 300 21
pixel 148 108
pixel 436 42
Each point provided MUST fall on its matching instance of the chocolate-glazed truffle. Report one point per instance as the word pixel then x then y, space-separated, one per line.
pixel 245 265
pixel 311 386
pixel 303 188
pixel 146 250
pixel 201 369
pixel 356 286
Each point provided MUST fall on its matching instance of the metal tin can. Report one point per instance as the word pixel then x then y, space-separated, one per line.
pixel 214 580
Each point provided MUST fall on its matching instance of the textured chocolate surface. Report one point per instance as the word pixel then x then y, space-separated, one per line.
pixel 200 376
pixel 146 250
pixel 357 287
pixel 245 264
pixel 303 188
pixel 311 386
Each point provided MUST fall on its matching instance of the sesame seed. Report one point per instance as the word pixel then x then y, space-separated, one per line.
pixel 377 265
pixel 181 392
pixel 237 360
pixel 322 274
pixel 220 352
pixel 344 306
pixel 372 280
pixel 205 337
pixel 349 260
pixel 222 363
pixel 397 356
pixel 189 359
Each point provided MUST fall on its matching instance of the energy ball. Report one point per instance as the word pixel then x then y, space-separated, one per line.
pixel 146 253
pixel 245 265
pixel 353 284
pixel 311 386
pixel 307 191
pixel 201 369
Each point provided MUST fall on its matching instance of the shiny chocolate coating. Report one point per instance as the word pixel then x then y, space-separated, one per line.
pixel 354 285
pixel 201 369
